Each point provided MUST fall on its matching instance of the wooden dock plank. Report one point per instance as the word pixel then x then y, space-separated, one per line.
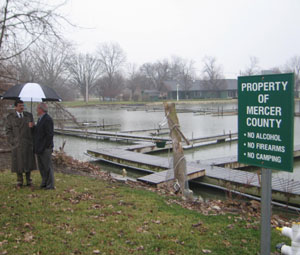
pixel 120 135
pixel 278 184
pixel 213 138
pixel 243 178
pixel 168 175
pixel 196 169
pixel 133 157
pixel 193 170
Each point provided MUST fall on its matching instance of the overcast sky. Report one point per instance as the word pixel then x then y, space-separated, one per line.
pixel 230 30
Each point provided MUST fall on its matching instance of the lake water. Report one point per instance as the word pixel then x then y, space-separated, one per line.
pixel 191 125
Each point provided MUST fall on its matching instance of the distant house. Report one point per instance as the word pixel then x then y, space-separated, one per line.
pixel 200 89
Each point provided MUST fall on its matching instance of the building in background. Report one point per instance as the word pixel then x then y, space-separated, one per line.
pixel 201 89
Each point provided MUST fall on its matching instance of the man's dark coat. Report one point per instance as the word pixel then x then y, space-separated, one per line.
pixel 43 134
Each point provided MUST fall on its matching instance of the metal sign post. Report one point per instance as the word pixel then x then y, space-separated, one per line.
pixel 266 134
pixel 266 211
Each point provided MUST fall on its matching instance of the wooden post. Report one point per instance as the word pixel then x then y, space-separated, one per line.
pixel 179 161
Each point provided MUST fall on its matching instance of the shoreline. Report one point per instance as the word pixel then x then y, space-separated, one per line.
pixel 96 102
pixel 74 104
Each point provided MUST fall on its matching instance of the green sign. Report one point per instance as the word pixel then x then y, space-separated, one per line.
pixel 266 121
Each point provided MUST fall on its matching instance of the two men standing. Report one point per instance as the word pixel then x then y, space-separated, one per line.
pixel 27 139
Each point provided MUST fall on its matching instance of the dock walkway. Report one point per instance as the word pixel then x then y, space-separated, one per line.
pixel 107 134
pixel 235 177
pixel 146 161
pixel 149 142
pixel 210 171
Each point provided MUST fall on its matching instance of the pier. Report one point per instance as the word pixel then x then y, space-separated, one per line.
pixel 106 135
pixel 148 162
pixel 214 171
pixel 150 143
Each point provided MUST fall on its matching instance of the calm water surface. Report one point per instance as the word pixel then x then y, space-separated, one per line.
pixel 191 125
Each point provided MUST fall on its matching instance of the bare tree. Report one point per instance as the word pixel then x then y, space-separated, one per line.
pixel 213 76
pixel 112 59
pixel 84 71
pixel 44 63
pixel 183 71
pixel 293 65
pixel 22 23
pixel 157 73
pixel 253 67
pixel 110 87
pixel 21 67
pixel 51 63
pixel 136 80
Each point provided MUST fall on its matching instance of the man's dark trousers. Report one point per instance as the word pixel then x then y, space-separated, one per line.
pixel 46 169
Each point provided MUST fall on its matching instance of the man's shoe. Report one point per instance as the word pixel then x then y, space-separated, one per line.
pixel 48 188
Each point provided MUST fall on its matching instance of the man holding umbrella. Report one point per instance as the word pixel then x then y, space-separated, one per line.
pixel 19 130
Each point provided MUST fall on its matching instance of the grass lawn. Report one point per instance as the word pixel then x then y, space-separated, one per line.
pixel 91 216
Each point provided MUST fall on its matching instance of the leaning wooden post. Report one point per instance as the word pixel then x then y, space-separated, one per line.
pixel 179 161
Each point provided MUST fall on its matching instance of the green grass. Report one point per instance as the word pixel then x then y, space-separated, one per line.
pixel 87 216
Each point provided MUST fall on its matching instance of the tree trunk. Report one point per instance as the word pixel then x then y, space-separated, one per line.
pixel 179 161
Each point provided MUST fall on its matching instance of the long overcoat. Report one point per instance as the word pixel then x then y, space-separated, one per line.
pixel 20 137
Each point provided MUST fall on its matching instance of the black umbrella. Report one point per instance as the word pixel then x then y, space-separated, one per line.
pixel 31 92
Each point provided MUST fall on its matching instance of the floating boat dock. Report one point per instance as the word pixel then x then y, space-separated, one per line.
pixel 107 135
pixel 214 171
pixel 148 162
pixel 149 143
pixel 148 147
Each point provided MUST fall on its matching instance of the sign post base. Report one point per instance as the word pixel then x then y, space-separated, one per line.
pixel 266 211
